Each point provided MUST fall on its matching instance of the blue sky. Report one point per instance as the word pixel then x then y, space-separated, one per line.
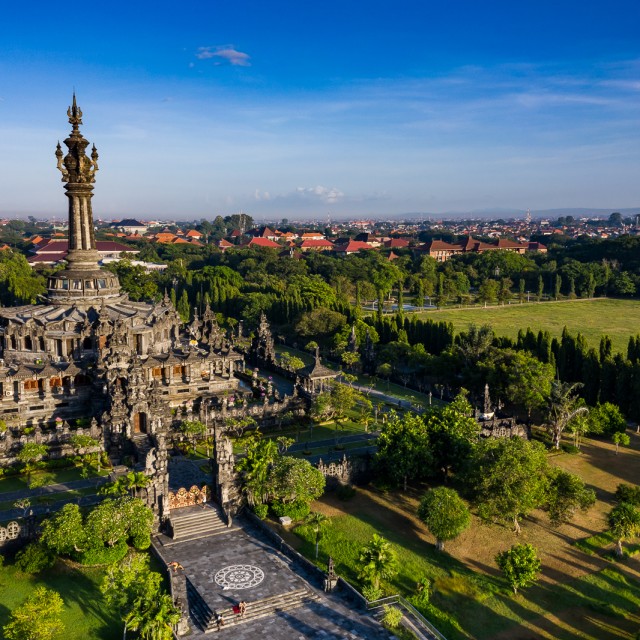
pixel 292 109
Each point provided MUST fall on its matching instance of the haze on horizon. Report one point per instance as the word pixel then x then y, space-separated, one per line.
pixel 289 109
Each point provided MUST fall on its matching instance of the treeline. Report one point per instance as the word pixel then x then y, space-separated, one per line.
pixel 428 351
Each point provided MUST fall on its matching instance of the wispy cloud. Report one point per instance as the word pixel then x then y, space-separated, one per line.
pixel 226 53
pixel 324 194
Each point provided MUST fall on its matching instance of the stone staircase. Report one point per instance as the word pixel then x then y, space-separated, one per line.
pixel 205 618
pixel 195 522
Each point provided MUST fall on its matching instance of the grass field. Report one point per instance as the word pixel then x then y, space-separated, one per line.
pixel 618 319
pixel 85 616
pixel 579 595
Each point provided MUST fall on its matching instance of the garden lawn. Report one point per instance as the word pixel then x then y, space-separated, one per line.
pixel 618 319
pixel 577 596
pixel 85 615
pixel 54 476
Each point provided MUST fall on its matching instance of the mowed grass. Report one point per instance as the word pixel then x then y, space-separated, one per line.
pixel 594 318
pixel 579 595
pixel 85 615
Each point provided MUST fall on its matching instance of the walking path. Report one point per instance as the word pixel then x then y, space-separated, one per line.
pixel 85 483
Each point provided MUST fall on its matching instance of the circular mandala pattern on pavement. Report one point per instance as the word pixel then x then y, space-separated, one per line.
pixel 239 576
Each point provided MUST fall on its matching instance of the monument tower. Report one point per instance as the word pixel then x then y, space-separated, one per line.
pixel 82 282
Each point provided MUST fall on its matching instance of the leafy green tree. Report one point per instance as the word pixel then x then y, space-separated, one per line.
pixel 620 438
pixel 135 592
pixel 320 322
pixel 628 493
pixel 293 479
pixel 403 449
pixel 606 418
pixel 19 283
pixel 113 521
pixel 566 494
pixel 378 560
pixel 509 479
pixel 445 514
pixel 624 524
pixel 520 565
pixel 453 434
pixel 193 429
pixel 64 531
pixel 37 618
pixel 29 454
pixel 260 454
pixel 521 379
pixel 488 290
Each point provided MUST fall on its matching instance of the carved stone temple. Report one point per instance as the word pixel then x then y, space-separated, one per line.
pixel 90 361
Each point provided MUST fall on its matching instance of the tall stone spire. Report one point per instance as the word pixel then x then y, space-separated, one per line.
pixel 78 171
pixel 82 280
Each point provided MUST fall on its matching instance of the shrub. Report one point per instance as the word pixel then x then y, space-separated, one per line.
pixel 569 448
pixel 423 591
pixel 34 558
pixel 345 492
pixel 392 617
pixel 628 493
pixel 297 510
pixel 261 510
pixel 372 593
pixel 105 555
pixel 141 542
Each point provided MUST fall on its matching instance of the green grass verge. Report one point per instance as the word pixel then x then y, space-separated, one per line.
pixel 54 476
pixel 85 615
pixel 618 319
pixel 602 544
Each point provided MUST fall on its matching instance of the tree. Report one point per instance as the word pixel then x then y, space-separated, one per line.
pixel 445 514
pixel 628 493
pixel 30 453
pixel 488 290
pixel 520 565
pixel 132 589
pixel 378 560
pixel 64 531
pixel 453 434
pixel 114 521
pixel 624 523
pixel 566 494
pixel 255 466
pixel 82 443
pixel 403 449
pixel 509 478
pixel 37 618
pixel 564 406
pixel 193 429
pixel 620 438
pixel 293 479
pixel 521 379
pixel 606 418
pixel 316 522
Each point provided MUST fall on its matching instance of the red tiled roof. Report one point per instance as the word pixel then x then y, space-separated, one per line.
pixel 315 244
pixel 352 246
pixel 396 243
pixel 261 242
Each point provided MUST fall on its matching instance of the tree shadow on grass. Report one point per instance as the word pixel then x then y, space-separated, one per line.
pixel 75 587
pixel 5 612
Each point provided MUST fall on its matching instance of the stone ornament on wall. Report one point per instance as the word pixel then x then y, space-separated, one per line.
pixel 10 532
pixel 188 497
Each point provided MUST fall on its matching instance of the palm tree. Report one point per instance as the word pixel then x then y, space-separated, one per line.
pixel 564 406
pixel 153 618
pixel 316 522
pixel 377 560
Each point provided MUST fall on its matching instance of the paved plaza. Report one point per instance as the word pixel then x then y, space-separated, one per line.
pixel 241 564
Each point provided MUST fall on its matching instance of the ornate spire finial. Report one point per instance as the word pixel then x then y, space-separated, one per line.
pixel 75 113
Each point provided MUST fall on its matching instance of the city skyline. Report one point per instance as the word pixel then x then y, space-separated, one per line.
pixel 286 111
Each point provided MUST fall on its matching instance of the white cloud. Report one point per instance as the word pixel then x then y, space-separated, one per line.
pixel 224 53
pixel 324 194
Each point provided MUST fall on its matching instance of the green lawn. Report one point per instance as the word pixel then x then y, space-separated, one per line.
pixel 54 476
pixel 618 319
pixel 85 616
